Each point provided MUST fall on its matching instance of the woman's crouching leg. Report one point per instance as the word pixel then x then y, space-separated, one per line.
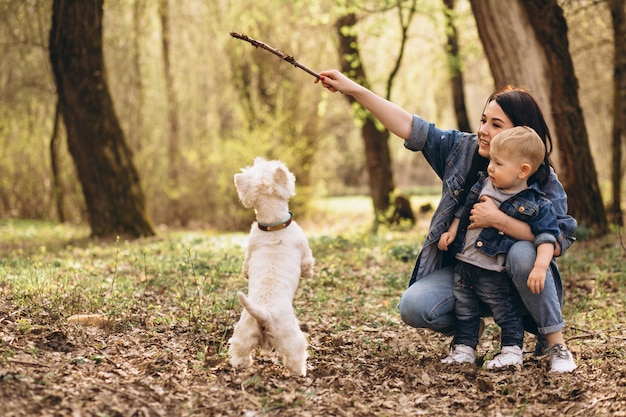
pixel 545 307
pixel 429 302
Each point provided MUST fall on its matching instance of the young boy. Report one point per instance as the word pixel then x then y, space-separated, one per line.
pixel 515 154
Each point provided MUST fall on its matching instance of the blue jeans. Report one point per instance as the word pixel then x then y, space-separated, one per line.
pixel 473 285
pixel 429 302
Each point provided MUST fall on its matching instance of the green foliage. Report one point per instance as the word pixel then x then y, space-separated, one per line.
pixel 235 102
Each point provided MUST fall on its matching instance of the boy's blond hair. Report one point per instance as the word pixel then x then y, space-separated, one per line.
pixel 520 142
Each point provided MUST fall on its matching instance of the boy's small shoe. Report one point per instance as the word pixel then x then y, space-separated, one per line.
pixel 481 330
pixel 560 359
pixel 509 355
pixel 461 354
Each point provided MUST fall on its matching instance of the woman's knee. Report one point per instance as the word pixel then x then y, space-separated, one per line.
pixel 429 302
pixel 412 309
pixel 520 260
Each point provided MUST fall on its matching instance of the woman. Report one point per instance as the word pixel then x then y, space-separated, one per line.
pixel 457 158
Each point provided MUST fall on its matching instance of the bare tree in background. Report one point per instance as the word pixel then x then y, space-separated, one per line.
pixel 375 138
pixel 526 44
pixel 618 140
pixel 111 187
pixel 454 66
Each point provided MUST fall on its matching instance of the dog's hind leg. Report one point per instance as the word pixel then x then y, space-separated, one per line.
pixel 293 348
pixel 246 337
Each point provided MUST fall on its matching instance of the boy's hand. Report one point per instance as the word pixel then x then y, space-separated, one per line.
pixel 536 280
pixel 445 240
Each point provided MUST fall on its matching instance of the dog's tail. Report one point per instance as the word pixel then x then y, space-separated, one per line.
pixel 259 313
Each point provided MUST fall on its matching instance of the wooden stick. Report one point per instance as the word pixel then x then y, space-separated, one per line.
pixel 259 44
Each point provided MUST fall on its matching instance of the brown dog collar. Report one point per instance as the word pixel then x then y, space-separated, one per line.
pixel 275 226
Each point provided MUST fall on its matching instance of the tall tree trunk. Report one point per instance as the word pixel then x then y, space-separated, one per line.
pixel 138 119
pixel 618 16
pixel 172 115
pixel 376 140
pixel 454 66
pixel 113 195
pixel 526 44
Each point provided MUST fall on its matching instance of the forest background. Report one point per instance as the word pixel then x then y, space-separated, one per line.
pixel 232 102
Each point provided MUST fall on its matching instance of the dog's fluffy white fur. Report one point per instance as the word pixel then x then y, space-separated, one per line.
pixel 273 264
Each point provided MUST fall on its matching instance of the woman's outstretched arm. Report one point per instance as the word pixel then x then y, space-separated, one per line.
pixel 393 117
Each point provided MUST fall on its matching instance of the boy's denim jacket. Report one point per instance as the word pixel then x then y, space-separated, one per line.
pixel 529 206
pixel 450 153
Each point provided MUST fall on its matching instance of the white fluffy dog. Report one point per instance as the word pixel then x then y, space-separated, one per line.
pixel 278 254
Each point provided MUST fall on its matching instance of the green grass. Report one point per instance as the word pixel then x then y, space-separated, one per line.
pixel 22 237
pixel 188 277
pixel 594 275
pixel 192 276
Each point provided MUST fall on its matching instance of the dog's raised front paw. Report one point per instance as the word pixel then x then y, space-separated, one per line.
pixel 306 271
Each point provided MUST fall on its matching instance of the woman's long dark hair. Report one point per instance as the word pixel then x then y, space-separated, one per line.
pixel 523 110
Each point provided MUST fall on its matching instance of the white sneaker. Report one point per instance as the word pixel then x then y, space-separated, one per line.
pixel 461 354
pixel 560 359
pixel 509 355
pixel 481 330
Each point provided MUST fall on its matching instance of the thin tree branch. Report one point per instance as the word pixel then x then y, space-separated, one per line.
pixel 284 57
pixel 404 30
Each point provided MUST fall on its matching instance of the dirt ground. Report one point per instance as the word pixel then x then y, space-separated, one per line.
pixel 363 360
pixel 388 370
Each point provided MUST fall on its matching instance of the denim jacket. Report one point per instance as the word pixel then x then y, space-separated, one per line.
pixel 529 206
pixel 450 153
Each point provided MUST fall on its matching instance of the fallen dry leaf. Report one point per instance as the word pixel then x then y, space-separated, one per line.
pixel 93 320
